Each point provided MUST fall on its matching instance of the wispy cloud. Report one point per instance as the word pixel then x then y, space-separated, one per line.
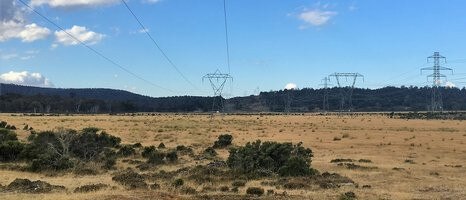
pixel 23 56
pixel 316 17
pixel 151 1
pixel 79 32
pixel 73 3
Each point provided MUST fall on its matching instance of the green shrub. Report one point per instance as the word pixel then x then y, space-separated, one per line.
pixel 223 141
pixel 88 144
pixel 178 183
pixel 11 127
pixel 348 196
pixel 238 184
pixel 210 152
pixel 46 162
pixel 255 158
pixel 147 151
pixel 63 149
pixel 126 151
pixel 10 150
pixel 188 190
pixel 109 163
pixel 39 145
pixel 255 191
pixel 224 189
pixel 3 124
pixel 7 135
pixel 137 145
pixel 161 145
pixel 130 179
pixel 184 149
pixel 295 166
pixel 156 158
pixel 172 156
pixel 90 188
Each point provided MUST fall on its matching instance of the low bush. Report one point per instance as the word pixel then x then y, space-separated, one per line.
pixel 147 151
pixel 7 135
pixel 223 141
pixel 154 186
pixel 89 143
pixel 347 196
pixel 156 158
pixel 130 179
pixel 210 152
pixel 28 186
pixel 127 150
pixel 257 191
pixel 188 190
pixel 171 156
pixel 47 162
pixel 10 150
pixel 224 189
pixel 5 125
pixel 238 184
pixel 178 183
pixel 295 166
pixel 183 150
pixel 161 145
pixel 137 145
pixel 261 159
pixel 91 188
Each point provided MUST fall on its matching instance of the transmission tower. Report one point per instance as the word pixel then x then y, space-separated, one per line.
pixel 436 103
pixel 288 99
pixel 217 82
pixel 325 84
pixel 346 92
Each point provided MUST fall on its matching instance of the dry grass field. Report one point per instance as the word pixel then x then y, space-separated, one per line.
pixel 409 159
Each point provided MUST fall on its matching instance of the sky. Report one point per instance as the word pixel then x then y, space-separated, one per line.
pixel 273 43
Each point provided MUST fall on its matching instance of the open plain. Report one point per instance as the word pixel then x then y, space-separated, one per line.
pixel 386 158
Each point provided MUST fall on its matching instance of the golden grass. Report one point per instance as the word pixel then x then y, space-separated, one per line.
pixel 434 146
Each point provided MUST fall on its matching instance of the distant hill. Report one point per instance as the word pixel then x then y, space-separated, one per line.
pixel 16 98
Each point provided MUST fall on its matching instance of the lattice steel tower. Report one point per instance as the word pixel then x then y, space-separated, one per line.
pixel 346 92
pixel 436 103
pixel 325 84
pixel 217 82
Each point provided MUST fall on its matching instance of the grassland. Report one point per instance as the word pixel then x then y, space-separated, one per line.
pixel 401 159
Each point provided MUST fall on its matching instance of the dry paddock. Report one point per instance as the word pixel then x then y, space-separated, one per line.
pixel 411 159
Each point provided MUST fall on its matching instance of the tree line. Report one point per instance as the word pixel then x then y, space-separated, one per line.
pixel 15 98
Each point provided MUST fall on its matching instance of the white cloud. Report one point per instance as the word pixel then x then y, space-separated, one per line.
pixel 13 25
pixel 18 30
pixel 73 3
pixel 291 86
pixel 316 17
pixel 449 84
pixel 25 78
pixel 79 32
pixel 32 32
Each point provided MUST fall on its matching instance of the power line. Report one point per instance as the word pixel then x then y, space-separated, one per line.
pixel 158 46
pixel 94 50
pixel 226 34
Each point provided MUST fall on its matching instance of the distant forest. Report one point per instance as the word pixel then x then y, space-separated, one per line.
pixel 26 99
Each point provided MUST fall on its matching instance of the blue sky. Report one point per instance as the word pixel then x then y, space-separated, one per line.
pixel 272 43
